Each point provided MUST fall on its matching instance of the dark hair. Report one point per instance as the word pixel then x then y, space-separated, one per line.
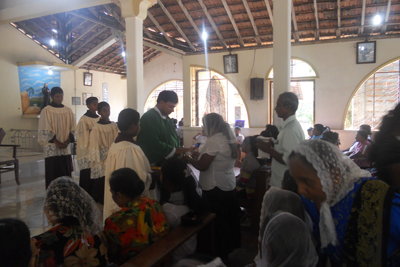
pixel 174 121
pixel 126 118
pixel 319 127
pixel 363 134
pixel 180 123
pixel 173 171
pixel 56 90
pixel 331 137
pixel 289 183
pixel 15 243
pixel 289 99
pixel 167 96
pixel 366 128
pixel 252 141
pixel 102 105
pixel 273 130
pixel 127 182
pixel 238 128
pixel 91 100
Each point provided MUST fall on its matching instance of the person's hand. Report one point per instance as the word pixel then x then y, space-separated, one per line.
pixel 185 159
pixel 182 150
pixel 265 146
pixel 58 144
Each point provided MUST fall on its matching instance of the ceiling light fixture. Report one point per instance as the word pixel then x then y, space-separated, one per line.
pixel 54 30
pixel 50 72
pixel 377 20
pixel 52 42
pixel 123 54
pixel 204 35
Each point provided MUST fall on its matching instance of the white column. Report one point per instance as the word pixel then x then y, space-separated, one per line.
pixel 134 63
pixel 281 46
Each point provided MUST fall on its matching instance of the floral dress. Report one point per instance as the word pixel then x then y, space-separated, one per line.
pixel 134 228
pixel 63 245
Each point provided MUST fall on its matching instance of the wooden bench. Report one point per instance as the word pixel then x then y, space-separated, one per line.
pixel 157 252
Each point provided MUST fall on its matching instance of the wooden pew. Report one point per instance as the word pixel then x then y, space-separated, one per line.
pixel 157 252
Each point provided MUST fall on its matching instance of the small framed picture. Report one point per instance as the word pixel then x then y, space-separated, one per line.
pixel 76 100
pixel 87 79
pixel 366 52
pixel 85 96
pixel 231 64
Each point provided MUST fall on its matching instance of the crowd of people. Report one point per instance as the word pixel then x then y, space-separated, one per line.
pixel 322 204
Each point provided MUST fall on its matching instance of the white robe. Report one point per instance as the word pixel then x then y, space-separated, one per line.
pixel 83 129
pixel 102 137
pixel 125 155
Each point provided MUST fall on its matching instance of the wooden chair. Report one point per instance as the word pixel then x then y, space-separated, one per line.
pixel 11 164
pixel 254 205
pixel 156 253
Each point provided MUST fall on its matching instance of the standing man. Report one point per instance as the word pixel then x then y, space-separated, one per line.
pixel 290 135
pixel 157 137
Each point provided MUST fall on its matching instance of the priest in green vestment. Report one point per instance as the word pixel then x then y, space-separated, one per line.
pixel 157 137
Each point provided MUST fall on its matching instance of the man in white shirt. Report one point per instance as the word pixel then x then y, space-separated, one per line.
pixel 290 135
pixel 239 136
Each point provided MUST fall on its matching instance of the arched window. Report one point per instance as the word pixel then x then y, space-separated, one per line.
pixel 378 94
pixel 177 87
pixel 303 85
pixel 212 92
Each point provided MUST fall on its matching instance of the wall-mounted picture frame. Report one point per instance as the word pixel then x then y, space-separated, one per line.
pixel 85 96
pixel 231 64
pixel 87 79
pixel 76 100
pixel 366 52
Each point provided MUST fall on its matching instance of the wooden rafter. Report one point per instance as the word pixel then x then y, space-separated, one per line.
pixel 77 26
pixel 246 5
pixel 40 27
pixel 269 12
pixel 296 34
pixel 158 26
pixel 106 55
pixel 115 15
pixel 33 33
pixel 94 19
pixel 70 20
pixel 204 8
pixel 153 57
pixel 361 29
pixel 384 26
pixel 176 25
pixel 316 20
pixel 87 41
pixel 83 34
pixel 228 11
pixel 149 54
pixel 338 31
pixel 187 14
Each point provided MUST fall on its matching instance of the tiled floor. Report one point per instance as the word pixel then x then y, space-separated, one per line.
pixel 25 202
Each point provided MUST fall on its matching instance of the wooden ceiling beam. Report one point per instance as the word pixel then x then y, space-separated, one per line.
pixel 94 19
pixel 158 26
pixel 187 14
pixel 384 27
pixel 151 58
pixel 87 41
pixel 83 34
pixel 33 33
pixel 316 20
pixel 176 25
pixel 228 11
pixel 338 31
pixel 248 10
pixel 296 34
pixel 106 55
pixel 41 28
pixel 269 12
pixel 210 19
pixel 77 26
pixel 361 29
pixel 149 54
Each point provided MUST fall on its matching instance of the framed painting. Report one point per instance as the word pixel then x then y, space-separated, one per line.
pixel 85 96
pixel 87 79
pixel 231 64
pixel 366 52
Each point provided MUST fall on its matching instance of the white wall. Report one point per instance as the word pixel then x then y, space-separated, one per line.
pixel 335 63
pixel 15 47
pixel 116 91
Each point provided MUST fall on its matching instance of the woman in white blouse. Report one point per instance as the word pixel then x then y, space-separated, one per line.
pixel 217 180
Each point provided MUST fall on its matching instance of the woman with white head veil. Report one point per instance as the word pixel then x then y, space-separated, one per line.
pixel 287 242
pixel 75 237
pixel 350 210
pixel 217 180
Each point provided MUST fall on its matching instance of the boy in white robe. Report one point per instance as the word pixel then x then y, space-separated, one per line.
pixel 55 132
pixel 102 136
pixel 124 153
pixel 85 125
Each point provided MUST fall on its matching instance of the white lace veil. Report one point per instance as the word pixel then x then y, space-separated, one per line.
pixel 66 198
pixel 287 242
pixel 337 173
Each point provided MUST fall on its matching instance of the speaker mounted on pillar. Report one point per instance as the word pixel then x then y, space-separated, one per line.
pixel 256 89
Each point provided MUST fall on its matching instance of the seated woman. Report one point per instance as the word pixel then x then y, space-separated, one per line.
pixel 367 129
pixel 77 221
pixel 245 181
pixel 180 198
pixel 350 225
pixel 331 137
pixel 287 242
pixel 139 223
pixel 318 130
pixel 359 151
pixel 15 243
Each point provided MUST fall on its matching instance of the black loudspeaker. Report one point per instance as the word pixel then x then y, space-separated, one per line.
pixel 256 89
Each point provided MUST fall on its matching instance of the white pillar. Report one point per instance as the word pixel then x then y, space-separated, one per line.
pixel 134 63
pixel 281 46
pixel 134 12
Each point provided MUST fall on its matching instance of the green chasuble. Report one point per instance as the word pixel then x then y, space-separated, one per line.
pixel 157 137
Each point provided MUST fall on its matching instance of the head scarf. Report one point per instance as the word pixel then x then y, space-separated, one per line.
pixel 287 242
pixel 275 200
pixel 337 173
pixel 66 198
